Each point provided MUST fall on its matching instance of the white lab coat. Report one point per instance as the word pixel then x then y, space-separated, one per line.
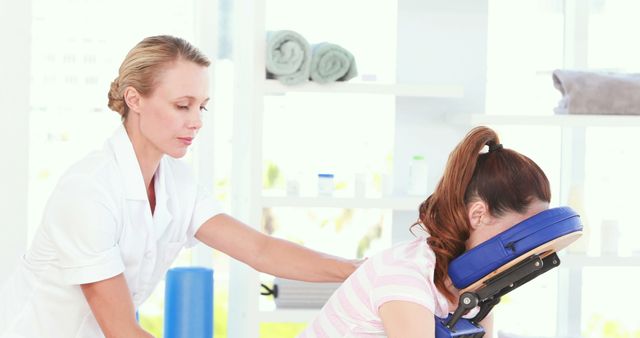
pixel 96 225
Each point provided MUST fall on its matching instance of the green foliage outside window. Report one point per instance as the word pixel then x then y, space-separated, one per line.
pixel 154 323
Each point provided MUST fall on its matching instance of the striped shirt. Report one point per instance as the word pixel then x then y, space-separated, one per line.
pixel 403 272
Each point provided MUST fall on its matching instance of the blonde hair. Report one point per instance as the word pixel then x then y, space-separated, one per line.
pixel 144 63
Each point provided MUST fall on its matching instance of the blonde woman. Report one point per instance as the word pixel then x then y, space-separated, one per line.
pixel 118 218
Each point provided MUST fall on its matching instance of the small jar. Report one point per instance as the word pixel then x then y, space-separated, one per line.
pixel 325 184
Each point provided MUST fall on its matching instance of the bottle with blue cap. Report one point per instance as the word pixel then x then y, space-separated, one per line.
pixel 325 184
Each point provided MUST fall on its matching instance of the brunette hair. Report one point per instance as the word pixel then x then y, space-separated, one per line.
pixel 144 63
pixel 502 178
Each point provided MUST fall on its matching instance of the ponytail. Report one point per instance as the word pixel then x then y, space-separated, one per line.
pixel 502 178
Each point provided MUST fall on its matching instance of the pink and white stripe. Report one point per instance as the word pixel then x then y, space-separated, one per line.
pixel 403 272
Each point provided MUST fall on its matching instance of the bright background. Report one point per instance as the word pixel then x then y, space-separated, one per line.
pixel 77 46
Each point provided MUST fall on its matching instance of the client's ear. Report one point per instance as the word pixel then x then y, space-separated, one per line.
pixel 477 210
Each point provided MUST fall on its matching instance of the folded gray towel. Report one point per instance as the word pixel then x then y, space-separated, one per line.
pixel 330 62
pixel 288 57
pixel 597 93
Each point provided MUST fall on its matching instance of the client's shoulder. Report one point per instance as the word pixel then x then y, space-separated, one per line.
pixel 413 254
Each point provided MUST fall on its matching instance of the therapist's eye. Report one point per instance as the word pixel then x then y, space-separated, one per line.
pixel 182 107
pixel 203 108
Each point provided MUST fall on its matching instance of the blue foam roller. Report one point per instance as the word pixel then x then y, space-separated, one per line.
pixel 188 307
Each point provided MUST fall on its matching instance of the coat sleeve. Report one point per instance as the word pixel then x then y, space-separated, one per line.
pixel 81 221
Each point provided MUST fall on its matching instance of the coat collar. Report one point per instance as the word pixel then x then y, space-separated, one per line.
pixel 162 215
pixel 134 183
pixel 128 165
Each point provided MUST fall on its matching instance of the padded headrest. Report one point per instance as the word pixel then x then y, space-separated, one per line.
pixel 513 242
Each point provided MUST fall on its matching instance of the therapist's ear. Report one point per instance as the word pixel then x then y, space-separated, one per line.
pixel 477 210
pixel 132 98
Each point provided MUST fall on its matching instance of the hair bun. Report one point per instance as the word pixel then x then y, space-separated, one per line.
pixel 116 101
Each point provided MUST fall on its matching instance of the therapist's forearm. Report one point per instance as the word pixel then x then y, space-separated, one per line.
pixel 111 305
pixel 134 332
pixel 130 332
pixel 289 260
pixel 272 255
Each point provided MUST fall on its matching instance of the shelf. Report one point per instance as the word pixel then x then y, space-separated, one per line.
pixel 577 261
pixel 408 90
pixel 288 315
pixel 551 120
pixel 395 203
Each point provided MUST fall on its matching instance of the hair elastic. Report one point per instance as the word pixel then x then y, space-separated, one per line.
pixel 494 147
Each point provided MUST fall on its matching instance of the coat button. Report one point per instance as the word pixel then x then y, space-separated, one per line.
pixel 148 254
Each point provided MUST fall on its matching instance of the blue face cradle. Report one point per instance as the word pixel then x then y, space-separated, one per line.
pixel 512 243
pixel 505 262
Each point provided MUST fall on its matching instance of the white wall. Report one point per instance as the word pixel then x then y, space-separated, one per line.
pixel 15 37
pixel 439 43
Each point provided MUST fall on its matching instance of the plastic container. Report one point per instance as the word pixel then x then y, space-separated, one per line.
pixel 418 176
pixel 610 236
pixel 359 185
pixel 293 188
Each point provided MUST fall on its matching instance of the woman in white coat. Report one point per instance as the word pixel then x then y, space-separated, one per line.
pixel 118 218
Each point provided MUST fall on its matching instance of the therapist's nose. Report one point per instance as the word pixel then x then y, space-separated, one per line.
pixel 195 121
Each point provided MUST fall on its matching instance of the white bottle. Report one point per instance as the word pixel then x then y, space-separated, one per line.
pixel 418 176
pixel 359 185
pixel 610 235
pixel 293 187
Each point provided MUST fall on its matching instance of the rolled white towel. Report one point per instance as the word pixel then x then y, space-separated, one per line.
pixel 597 93
pixel 288 57
pixel 299 294
pixel 330 62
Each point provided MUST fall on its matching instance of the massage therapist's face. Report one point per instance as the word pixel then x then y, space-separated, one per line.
pixel 171 116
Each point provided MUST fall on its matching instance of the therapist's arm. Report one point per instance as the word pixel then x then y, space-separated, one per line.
pixel 272 255
pixel 111 304
pixel 406 320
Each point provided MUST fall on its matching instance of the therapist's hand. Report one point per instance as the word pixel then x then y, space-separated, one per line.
pixel 112 307
pixel 357 262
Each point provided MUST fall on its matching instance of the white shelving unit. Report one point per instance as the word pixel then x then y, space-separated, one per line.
pixel 395 203
pixel 549 120
pixel 248 201
pixel 274 87
pixel 423 121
